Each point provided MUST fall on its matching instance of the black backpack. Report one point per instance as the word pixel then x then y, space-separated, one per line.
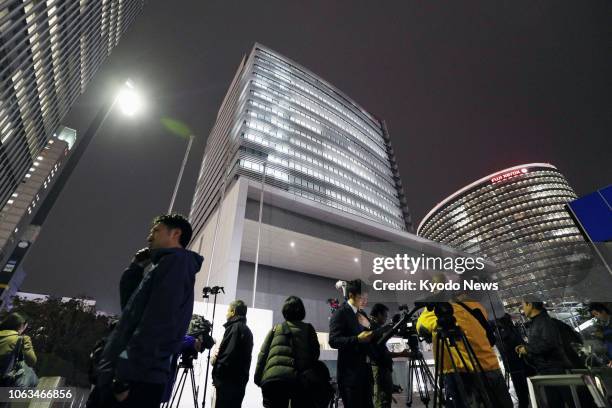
pixel 478 315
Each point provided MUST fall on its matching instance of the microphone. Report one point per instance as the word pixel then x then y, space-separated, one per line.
pixel 341 285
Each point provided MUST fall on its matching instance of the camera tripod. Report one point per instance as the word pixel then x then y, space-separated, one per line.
pixel 186 365
pixel 448 337
pixel 206 292
pixel 419 370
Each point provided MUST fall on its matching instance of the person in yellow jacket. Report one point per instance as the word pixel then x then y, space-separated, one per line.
pixel 476 334
pixel 11 329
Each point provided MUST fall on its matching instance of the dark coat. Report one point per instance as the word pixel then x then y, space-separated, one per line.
pixel 234 358
pixel 288 348
pixel 130 280
pixel 155 319
pixel 380 354
pixel 353 368
pixel 510 339
pixel 544 346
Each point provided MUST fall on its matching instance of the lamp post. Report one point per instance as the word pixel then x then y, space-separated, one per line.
pixel 180 175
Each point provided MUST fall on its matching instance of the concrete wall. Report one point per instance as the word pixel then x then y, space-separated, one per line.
pixel 226 256
pixel 292 221
pixel 274 285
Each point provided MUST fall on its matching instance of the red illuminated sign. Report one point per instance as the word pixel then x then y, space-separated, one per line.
pixel 508 175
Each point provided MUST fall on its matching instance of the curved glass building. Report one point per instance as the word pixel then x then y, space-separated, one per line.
pixel 284 126
pixel 516 218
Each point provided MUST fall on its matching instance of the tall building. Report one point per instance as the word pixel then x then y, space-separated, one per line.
pixel 296 182
pixel 17 229
pixel 298 188
pixel 517 218
pixel 49 52
pixel 312 140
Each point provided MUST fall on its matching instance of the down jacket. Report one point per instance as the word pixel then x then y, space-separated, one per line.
pixel 278 361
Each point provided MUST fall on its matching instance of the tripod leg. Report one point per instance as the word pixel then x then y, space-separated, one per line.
pixel 184 378
pixel 178 387
pixel 481 380
pixel 459 385
pixel 424 370
pixel 439 366
pixel 409 386
pixel 417 376
pixel 209 350
pixel 193 388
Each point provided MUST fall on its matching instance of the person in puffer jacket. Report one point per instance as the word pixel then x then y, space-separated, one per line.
pixel 289 348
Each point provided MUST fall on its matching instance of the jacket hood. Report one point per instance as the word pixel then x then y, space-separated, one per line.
pixel 193 259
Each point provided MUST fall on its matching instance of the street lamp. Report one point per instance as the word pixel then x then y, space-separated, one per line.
pixel 130 102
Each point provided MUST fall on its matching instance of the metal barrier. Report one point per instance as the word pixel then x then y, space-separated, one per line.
pixel 536 384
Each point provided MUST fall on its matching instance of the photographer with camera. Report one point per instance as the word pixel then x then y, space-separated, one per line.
pixel 471 318
pixel 382 360
pixel 346 334
pixel 157 307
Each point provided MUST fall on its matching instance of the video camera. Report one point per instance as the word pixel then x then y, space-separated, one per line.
pixel 199 329
pixel 408 328
pixel 405 326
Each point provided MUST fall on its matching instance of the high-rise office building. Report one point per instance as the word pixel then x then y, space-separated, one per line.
pixel 312 140
pixel 49 52
pixel 296 179
pixel 517 218
pixel 18 231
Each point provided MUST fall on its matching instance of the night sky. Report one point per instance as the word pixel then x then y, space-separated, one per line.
pixel 466 89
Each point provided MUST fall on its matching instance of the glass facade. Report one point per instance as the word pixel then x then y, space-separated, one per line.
pixel 49 51
pixel 517 218
pixel 307 137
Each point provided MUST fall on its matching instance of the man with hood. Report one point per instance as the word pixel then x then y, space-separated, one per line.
pixel 157 294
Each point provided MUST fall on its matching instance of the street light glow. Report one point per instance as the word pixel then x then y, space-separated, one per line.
pixel 130 102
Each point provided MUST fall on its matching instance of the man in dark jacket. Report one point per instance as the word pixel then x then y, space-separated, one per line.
pixel 231 366
pixel 351 339
pixel 135 363
pixel 510 340
pixel 382 359
pixel 544 349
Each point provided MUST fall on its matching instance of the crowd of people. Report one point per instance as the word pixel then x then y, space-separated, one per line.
pixel 136 364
